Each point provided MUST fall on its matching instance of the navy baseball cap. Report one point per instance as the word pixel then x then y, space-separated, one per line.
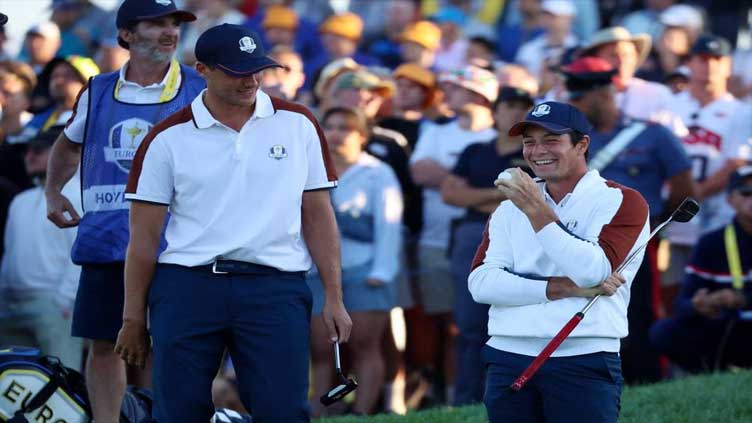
pixel 737 179
pixel 711 45
pixel 555 117
pixel 234 49
pixel 3 19
pixel 133 11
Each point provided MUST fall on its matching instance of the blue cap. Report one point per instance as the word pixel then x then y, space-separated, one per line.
pixel 234 49
pixel 133 11
pixel 711 45
pixel 555 117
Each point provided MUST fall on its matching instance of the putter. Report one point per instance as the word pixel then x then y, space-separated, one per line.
pixel 345 386
pixel 684 213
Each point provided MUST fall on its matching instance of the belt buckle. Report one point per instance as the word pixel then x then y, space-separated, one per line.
pixel 215 271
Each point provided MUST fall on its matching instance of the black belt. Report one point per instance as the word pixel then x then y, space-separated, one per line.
pixel 234 267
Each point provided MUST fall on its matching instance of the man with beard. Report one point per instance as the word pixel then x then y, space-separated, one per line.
pixel 112 116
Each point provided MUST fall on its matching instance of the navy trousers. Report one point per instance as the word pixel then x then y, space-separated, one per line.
pixel 471 318
pixel 262 319
pixel 583 389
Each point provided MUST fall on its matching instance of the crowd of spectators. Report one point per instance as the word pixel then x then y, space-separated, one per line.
pixel 416 98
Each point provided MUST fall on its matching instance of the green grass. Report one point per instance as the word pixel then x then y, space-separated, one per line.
pixel 722 398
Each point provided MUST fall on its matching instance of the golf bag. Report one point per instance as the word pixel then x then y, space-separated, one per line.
pixel 36 388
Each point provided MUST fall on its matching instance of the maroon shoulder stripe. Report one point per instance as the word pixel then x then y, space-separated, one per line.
pixel 619 236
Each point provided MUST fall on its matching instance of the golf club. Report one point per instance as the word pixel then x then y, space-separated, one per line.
pixel 684 213
pixel 345 386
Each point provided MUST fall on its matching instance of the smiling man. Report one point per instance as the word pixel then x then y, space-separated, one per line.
pixel 113 113
pixel 554 244
pixel 246 178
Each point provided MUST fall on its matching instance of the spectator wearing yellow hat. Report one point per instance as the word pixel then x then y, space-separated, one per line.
pixel 65 77
pixel 280 25
pixel 419 43
pixel 340 36
pixel 416 91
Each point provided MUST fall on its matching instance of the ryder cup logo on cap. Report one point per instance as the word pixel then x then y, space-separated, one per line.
pixel 247 59
pixel 163 2
pixel 247 44
pixel 541 110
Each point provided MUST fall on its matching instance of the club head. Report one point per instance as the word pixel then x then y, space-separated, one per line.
pixel 340 391
pixel 686 210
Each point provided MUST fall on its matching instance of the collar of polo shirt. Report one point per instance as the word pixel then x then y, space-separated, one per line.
pixel 204 118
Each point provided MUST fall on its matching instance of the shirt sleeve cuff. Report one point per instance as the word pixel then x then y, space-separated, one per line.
pixel 68 135
pixel 321 185
pixel 146 198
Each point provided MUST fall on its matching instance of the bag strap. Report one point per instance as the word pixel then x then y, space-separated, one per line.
pixel 616 146
pixel 732 256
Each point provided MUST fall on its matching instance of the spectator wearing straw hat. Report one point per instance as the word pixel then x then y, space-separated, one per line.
pixel 419 43
pixel 636 98
pixel 340 36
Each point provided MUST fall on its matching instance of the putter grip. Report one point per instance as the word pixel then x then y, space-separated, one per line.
pixel 547 351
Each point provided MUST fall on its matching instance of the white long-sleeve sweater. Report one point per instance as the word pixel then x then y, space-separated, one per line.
pixel 600 223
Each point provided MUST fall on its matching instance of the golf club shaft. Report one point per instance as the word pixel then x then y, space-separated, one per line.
pixel 336 357
pixel 520 382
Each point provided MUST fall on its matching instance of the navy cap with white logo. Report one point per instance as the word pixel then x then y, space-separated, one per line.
pixel 555 117
pixel 711 45
pixel 234 49
pixel 133 11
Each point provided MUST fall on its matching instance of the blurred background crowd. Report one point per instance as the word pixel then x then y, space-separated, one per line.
pixel 430 88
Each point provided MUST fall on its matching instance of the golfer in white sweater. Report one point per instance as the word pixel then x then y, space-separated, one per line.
pixel 554 244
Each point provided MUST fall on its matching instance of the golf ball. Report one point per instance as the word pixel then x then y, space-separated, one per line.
pixel 505 175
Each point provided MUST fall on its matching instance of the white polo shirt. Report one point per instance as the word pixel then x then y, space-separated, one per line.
pixel 128 92
pixel 234 195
